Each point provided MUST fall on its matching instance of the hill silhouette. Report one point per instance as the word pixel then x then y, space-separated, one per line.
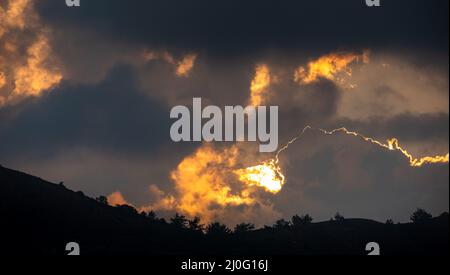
pixel 40 218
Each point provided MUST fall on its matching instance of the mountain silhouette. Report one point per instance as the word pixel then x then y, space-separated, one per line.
pixel 40 218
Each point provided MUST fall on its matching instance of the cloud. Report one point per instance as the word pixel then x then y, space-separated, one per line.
pixel 13 16
pixel 186 65
pixel 328 174
pixel 207 186
pixel 411 83
pixel 331 66
pixel 260 85
pixel 110 116
pixel 27 66
pixel 2 79
pixel 409 127
pixel 117 199
pixel 33 78
pixel 231 27
pixel 183 66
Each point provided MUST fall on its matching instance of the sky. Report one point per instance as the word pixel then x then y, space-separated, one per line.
pixel 86 94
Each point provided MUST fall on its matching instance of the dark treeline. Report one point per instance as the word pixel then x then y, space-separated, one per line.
pixel 38 217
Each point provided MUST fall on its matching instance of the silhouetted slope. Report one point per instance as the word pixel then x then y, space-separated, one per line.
pixel 41 217
pixel 38 217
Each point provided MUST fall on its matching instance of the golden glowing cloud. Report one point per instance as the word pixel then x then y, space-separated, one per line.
pixel 209 183
pixel 33 78
pixel 182 67
pixel 186 65
pixel 267 175
pixel 2 80
pixel 27 67
pixel 203 180
pixel 330 67
pixel 117 199
pixel 13 16
pixel 260 84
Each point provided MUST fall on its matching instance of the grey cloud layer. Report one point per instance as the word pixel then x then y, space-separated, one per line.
pixel 111 116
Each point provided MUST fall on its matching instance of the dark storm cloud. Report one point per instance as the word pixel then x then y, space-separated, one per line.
pixel 301 106
pixel 217 82
pixel 110 116
pixel 235 26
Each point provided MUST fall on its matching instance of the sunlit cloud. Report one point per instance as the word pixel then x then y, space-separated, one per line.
pixel 182 67
pixel 13 17
pixel 32 78
pixel 186 65
pixel 27 67
pixel 2 80
pixel 334 66
pixel 207 185
pixel 260 85
pixel 117 199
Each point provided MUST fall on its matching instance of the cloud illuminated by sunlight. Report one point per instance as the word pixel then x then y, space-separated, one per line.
pixel 27 67
pixel 333 67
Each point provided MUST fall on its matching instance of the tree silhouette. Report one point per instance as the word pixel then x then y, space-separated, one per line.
pixel 195 225
pixel 390 222
pixel 338 217
pixel 299 221
pixel 179 221
pixel 243 228
pixel 281 224
pixel 151 215
pixel 420 216
pixel 217 230
pixel 127 209
pixel 102 200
